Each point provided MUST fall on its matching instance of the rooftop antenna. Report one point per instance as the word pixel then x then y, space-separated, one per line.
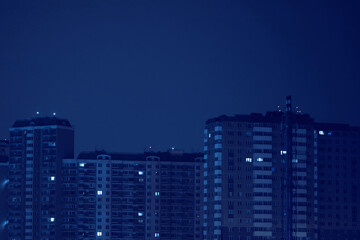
pixel 288 166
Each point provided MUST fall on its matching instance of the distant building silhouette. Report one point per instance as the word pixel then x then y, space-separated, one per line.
pixel 133 196
pixel 248 191
pixel 337 153
pixel 37 147
pixel 4 179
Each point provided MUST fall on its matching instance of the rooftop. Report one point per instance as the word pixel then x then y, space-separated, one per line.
pixel 336 126
pixel 164 156
pixel 278 116
pixel 269 117
pixel 42 121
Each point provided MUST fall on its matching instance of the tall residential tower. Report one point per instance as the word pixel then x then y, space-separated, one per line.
pixel 245 177
pixel 4 192
pixel 280 176
pixel 37 147
pixel 337 157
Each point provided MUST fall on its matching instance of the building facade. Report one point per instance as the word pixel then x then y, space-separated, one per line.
pixel 244 177
pixel 37 147
pixel 133 196
pixel 4 192
pixel 337 149
pixel 275 176
pixel 267 179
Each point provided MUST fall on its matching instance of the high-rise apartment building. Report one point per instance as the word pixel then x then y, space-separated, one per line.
pixel 4 180
pixel 133 196
pixel 244 176
pixel 337 153
pixel 37 147
pixel 280 176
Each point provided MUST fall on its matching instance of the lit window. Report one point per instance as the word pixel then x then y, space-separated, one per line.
pixel 52 219
pixel 248 159
pixel 329 133
pixel 260 159
pixel 218 137
pixel 321 132
pixel 99 234
pixel 157 235
pixel 6 222
pixel 99 192
pixel 6 181
pixel 140 214
pixel 218 128
pixel 282 152
pixel 218 145
pixel 52 178
pixel 141 173
pixel 157 193
pixel 209 135
pixel 82 164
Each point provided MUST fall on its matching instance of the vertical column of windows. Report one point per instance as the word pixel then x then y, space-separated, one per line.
pixel 299 165
pixel 316 196
pixel 217 178
pixel 262 183
pixel 29 171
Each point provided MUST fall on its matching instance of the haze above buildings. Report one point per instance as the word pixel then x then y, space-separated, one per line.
pixel 131 74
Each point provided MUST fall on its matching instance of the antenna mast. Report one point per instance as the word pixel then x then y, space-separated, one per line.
pixel 289 170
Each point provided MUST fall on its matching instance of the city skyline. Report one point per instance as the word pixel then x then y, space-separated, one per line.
pixel 167 147
pixel 173 120
pixel 238 185
pixel 144 73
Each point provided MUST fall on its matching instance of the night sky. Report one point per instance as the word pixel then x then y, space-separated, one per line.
pixel 133 73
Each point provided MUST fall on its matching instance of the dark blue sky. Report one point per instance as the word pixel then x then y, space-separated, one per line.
pixel 134 73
